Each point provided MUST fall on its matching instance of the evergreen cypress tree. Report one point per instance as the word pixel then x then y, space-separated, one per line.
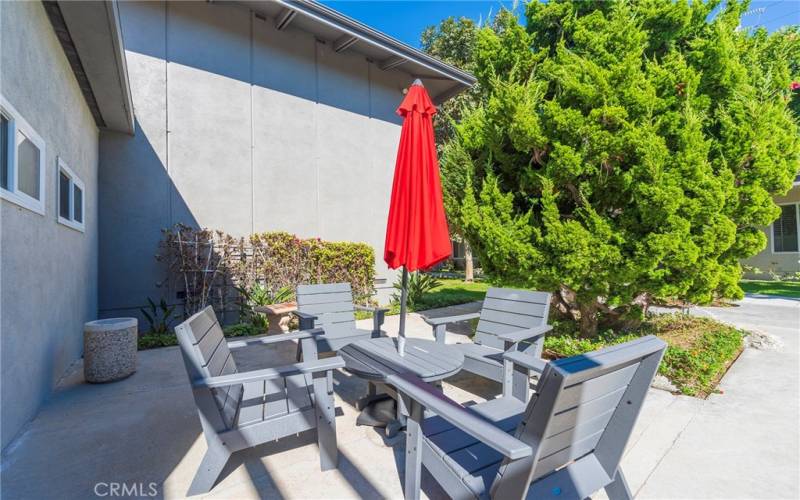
pixel 622 151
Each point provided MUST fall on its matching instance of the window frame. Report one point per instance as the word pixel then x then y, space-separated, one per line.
pixel 17 124
pixel 796 206
pixel 74 180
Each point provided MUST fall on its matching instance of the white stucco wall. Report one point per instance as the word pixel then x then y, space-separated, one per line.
pixel 241 128
pixel 48 272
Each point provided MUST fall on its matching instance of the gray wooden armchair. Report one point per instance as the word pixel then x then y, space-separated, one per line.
pixel 566 443
pixel 240 410
pixel 330 307
pixel 510 320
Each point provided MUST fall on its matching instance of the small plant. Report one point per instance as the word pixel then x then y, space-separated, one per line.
pixel 418 285
pixel 259 295
pixel 158 316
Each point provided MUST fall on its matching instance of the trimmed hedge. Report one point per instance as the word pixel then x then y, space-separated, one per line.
pixel 283 260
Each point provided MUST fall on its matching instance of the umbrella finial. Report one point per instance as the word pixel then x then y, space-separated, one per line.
pixel 417 81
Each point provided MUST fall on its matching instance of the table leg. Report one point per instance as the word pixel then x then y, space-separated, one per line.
pixel 372 396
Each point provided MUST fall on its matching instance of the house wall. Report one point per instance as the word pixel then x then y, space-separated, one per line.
pixel 782 263
pixel 48 272
pixel 241 128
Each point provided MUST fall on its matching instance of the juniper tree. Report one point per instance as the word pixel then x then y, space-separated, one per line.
pixel 622 151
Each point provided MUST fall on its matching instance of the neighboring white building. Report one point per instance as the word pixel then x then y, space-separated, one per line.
pixel 781 256
pixel 119 120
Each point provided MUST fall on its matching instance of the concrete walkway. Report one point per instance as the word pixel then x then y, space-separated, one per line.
pixel 742 443
pixel 143 430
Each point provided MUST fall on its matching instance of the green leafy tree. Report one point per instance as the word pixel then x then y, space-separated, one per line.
pixel 453 41
pixel 621 151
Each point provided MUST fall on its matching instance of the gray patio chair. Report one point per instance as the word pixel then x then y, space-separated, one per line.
pixel 330 307
pixel 510 320
pixel 240 410
pixel 566 443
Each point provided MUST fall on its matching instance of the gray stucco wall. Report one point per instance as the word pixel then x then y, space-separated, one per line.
pixel 48 272
pixel 241 128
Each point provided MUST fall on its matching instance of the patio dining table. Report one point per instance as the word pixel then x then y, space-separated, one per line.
pixel 377 360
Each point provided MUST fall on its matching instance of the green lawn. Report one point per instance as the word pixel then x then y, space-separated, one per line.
pixel 780 288
pixel 452 292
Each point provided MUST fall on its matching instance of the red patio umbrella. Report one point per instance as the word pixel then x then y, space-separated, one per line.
pixel 416 233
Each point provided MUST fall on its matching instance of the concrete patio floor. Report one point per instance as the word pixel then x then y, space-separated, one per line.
pixel 742 443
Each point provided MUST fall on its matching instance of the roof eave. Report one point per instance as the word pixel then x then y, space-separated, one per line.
pixel 395 48
pixel 91 36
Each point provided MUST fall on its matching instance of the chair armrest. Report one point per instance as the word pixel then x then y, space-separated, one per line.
pixel 525 360
pixel 527 333
pixel 303 315
pixel 317 365
pixel 378 315
pixel 451 319
pixel 274 339
pixel 469 422
pixel 306 320
pixel 372 309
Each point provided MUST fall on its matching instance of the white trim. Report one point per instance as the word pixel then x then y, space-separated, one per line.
pixel 772 230
pixel 18 125
pixel 74 180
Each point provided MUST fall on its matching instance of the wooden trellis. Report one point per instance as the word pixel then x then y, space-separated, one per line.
pixel 207 267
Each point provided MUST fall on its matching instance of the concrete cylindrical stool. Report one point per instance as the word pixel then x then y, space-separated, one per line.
pixel 109 349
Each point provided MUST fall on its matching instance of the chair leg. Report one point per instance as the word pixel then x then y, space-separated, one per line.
pixel 209 470
pixel 413 472
pixel 618 488
pixel 520 384
pixel 326 423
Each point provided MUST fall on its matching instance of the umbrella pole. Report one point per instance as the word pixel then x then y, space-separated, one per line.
pixel 401 340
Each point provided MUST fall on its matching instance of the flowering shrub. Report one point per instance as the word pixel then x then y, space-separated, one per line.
pixel 284 260
pixel 211 267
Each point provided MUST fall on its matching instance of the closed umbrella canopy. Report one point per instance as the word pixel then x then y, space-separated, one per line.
pixel 416 233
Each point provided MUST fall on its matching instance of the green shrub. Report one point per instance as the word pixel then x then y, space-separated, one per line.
pixel 158 316
pixel 153 340
pixel 243 330
pixel 235 274
pixel 259 295
pixel 284 260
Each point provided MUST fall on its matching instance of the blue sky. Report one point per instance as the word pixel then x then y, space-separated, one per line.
pixel 405 20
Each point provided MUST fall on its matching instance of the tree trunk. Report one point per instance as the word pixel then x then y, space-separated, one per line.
pixel 469 270
pixel 588 320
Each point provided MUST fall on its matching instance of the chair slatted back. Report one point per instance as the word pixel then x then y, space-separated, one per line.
pixel 584 405
pixel 206 354
pixel 331 303
pixel 507 310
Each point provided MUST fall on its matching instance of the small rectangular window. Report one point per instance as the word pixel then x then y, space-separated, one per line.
pixel 28 165
pixel 63 195
pixel 77 200
pixel 22 155
pixel 70 197
pixel 4 167
pixel 785 230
